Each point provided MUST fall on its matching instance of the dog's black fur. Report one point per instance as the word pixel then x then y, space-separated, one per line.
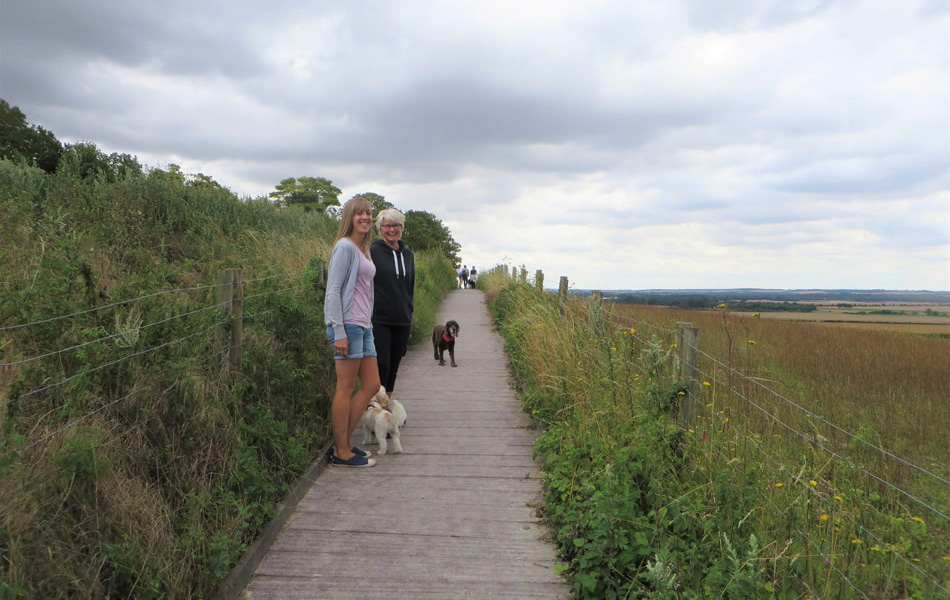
pixel 440 344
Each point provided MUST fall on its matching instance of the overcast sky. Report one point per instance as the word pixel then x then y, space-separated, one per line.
pixel 626 144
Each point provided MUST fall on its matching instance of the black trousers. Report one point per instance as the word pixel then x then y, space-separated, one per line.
pixel 391 343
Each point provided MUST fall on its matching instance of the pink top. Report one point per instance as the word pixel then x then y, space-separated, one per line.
pixel 362 314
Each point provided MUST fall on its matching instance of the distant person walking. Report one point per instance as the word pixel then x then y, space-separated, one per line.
pixel 472 277
pixel 463 275
pixel 348 311
pixel 393 289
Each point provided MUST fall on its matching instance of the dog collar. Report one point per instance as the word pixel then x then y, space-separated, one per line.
pixel 446 336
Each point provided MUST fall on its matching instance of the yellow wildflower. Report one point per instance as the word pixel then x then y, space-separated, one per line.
pixel 918 519
pixel 779 484
pixel 813 482
pixel 706 383
pixel 839 498
pixel 824 517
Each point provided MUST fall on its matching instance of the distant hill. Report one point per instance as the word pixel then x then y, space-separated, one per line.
pixel 710 298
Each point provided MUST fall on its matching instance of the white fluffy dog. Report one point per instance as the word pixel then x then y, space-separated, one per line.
pixel 378 421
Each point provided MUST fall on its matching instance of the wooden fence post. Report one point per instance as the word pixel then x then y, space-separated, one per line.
pixel 222 332
pixel 687 337
pixel 598 298
pixel 597 318
pixel 320 282
pixel 539 280
pixel 231 300
pixel 562 293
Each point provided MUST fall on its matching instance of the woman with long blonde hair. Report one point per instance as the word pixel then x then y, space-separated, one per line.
pixel 348 311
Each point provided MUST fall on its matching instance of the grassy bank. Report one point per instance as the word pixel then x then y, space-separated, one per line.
pixel 130 467
pixel 756 495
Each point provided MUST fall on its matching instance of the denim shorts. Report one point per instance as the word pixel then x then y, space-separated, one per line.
pixel 360 338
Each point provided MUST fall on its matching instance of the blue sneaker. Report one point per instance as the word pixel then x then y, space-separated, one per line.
pixel 359 452
pixel 354 461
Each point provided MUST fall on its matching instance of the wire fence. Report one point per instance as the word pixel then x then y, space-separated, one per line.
pixel 46 390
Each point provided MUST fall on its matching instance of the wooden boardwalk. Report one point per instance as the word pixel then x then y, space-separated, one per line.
pixel 452 517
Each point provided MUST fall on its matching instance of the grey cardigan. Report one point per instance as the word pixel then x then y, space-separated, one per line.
pixel 341 283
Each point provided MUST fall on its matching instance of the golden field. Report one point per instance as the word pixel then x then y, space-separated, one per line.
pixel 864 375
pixel 907 318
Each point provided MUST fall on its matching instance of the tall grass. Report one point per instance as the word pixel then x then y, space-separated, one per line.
pixel 892 388
pixel 734 504
pixel 129 467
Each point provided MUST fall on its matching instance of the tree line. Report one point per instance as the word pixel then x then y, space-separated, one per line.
pixel 705 301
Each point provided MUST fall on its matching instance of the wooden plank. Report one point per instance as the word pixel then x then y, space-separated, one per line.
pixel 367 588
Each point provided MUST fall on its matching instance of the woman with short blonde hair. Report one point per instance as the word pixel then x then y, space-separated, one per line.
pixel 393 287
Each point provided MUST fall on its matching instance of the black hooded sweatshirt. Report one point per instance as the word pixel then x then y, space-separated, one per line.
pixel 394 283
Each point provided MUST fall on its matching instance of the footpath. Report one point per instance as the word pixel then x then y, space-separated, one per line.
pixel 454 517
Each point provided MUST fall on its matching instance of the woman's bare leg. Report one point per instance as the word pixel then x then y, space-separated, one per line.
pixel 343 405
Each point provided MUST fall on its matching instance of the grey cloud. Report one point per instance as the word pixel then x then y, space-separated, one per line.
pixel 169 37
pixel 742 15
pixel 873 177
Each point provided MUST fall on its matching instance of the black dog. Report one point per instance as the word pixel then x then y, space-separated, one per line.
pixel 443 338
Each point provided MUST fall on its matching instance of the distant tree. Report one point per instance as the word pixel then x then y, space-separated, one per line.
pixel 86 161
pixel 378 202
pixel 171 173
pixel 313 193
pixel 425 232
pixel 200 180
pixel 32 143
pixel 125 165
